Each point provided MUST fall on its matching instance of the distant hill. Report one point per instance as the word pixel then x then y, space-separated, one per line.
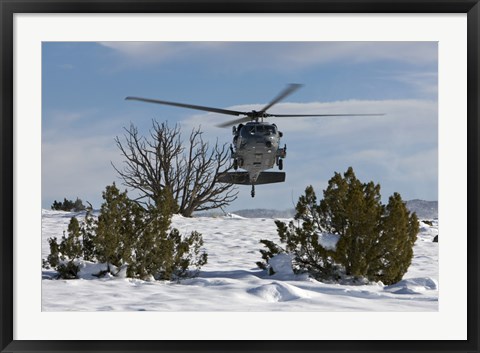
pixel 424 209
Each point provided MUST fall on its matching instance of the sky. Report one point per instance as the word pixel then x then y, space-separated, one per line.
pixel 84 85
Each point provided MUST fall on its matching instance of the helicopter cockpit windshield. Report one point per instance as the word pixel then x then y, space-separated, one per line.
pixel 263 130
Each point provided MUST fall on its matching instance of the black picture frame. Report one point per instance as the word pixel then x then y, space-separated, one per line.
pixel 9 7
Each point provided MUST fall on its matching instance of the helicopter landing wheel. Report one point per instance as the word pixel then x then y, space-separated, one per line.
pixel 235 164
pixel 280 164
pixel 253 191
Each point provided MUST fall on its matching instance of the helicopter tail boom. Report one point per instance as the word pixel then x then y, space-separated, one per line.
pixel 243 178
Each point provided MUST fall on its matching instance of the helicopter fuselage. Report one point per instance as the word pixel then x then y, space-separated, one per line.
pixel 256 147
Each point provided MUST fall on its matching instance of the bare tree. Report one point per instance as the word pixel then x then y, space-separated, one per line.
pixel 190 172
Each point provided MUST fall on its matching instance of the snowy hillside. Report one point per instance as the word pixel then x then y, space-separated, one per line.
pixel 232 282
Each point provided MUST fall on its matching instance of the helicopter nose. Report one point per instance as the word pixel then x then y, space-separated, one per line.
pixel 268 143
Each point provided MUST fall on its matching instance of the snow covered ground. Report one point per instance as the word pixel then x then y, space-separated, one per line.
pixel 232 282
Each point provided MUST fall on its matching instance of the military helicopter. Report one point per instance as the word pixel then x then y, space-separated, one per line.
pixel 256 144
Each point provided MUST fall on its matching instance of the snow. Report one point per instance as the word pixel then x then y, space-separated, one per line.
pixel 328 241
pixel 282 264
pixel 231 281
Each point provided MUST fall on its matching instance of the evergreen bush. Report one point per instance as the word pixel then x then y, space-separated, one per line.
pixel 68 270
pixel 71 246
pixel 62 256
pixel 375 241
pixel 68 205
pixel 88 234
pixel 127 235
pixel 116 228
pixel 53 258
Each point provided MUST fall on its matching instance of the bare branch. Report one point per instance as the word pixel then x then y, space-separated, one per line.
pixel 190 172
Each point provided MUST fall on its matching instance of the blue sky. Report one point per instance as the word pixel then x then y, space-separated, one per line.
pixel 83 109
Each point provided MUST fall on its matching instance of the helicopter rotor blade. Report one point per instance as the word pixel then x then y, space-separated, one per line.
pixel 247 119
pixel 234 122
pixel 287 91
pixel 189 106
pixel 316 115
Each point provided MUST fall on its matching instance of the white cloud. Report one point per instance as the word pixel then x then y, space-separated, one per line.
pixel 67 66
pixel 77 148
pixel 423 82
pixel 146 51
pixel 277 55
pixel 78 167
pixel 57 123
pixel 141 53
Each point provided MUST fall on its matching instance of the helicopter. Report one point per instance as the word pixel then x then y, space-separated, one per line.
pixel 256 143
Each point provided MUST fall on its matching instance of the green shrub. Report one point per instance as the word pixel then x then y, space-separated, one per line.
pixel 88 235
pixel 161 252
pixel 53 259
pixel 68 270
pixel 71 246
pixel 68 205
pixel 375 241
pixel 117 228
pixel 62 256
pixel 129 235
